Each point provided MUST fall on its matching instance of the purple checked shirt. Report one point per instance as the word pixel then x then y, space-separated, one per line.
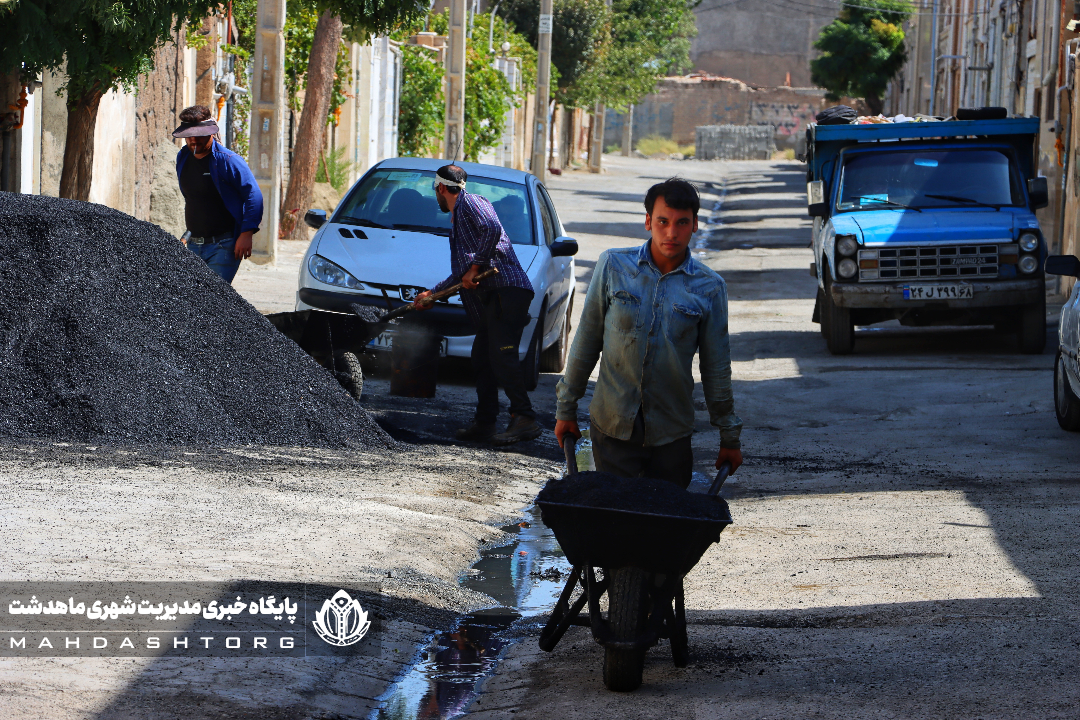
pixel 477 238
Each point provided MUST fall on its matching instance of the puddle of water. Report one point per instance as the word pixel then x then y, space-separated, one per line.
pixel 526 577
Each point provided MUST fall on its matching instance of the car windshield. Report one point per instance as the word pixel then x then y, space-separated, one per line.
pixel 923 179
pixel 405 200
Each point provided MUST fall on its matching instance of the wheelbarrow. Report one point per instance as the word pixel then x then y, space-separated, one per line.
pixel 639 559
pixel 336 341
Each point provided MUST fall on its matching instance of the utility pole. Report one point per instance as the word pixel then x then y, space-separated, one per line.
pixel 596 147
pixel 628 131
pixel 543 89
pixel 267 116
pixel 455 81
pixel 933 57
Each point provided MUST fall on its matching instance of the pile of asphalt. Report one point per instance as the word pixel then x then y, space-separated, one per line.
pixel 659 497
pixel 111 331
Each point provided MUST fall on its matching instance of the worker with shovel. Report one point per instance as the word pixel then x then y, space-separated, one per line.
pixel 223 205
pixel 498 307
pixel 648 310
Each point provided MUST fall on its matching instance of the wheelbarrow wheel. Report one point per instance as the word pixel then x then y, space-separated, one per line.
pixel 349 373
pixel 680 644
pixel 628 608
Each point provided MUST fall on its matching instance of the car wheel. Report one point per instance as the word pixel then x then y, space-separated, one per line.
pixel 348 372
pixel 530 366
pixel 836 324
pixel 1066 405
pixel 1033 327
pixel 553 360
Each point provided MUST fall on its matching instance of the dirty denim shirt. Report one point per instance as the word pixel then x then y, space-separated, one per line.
pixel 648 327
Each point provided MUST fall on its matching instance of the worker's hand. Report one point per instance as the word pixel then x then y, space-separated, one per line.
pixel 468 280
pixel 243 245
pixel 421 302
pixel 731 456
pixel 564 428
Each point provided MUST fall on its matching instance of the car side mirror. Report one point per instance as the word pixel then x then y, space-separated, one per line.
pixel 1038 192
pixel 1068 265
pixel 315 218
pixel 815 199
pixel 563 247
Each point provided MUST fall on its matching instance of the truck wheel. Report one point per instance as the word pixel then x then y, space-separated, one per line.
pixel 348 372
pixel 1066 404
pixel 836 324
pixel 1033 328
pixel 628 605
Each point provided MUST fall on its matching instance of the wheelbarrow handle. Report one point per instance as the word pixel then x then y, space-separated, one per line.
pixel 569 446
pixel 721 476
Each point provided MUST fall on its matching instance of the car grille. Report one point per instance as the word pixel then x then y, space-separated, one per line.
pixel 949 261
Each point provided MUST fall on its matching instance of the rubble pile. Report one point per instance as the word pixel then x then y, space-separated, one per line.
pixel 111 331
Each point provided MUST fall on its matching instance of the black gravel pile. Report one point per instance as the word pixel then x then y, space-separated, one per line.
pixel 111 331
pixel 603 490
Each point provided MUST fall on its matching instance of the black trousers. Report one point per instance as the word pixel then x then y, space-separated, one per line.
pixel 673 462
pixel 503 317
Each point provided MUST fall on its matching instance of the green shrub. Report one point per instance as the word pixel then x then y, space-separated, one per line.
pixel 339 169
pixel 654 144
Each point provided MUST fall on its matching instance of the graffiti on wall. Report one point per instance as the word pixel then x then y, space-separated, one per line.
pixel 786 118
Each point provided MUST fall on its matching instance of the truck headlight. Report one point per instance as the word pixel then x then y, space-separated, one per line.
pixel 327 272
pixel 846 245
pixel 1029 264
pixel 847 268
pixel 1029 242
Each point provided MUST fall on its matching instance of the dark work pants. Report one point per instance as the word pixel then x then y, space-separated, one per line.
pixel 503 316
pixel 673 462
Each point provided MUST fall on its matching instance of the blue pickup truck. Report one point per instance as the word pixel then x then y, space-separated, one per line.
pixel 928 223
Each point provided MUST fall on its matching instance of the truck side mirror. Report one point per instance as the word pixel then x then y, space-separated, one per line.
pixel 563 247
pixel 1068 265
pixel 1038 192
pixel 315 218
pixel 815 199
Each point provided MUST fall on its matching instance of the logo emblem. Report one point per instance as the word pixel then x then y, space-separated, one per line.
pixel 341 621
pixel 408 293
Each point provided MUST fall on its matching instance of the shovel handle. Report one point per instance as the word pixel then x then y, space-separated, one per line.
pixel 569 446
pixel 721 476
pixel 442 294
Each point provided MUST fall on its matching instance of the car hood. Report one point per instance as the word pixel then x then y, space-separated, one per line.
pixel 397 257
pixel 897 227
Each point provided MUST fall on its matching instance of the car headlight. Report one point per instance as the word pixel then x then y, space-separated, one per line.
pixel 1029 264
pixel 847 268
pixel 846 245
pixel 327 272
pixel 1029 242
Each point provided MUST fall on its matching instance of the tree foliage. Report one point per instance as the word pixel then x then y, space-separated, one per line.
pixel 423 103
pixel 862 50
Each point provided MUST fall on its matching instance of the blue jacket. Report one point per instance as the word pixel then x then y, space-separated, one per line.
pixel 235 183
pixel 644 328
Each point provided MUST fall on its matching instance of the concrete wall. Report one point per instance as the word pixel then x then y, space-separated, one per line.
pixel 682 104
pixel 113 181
pixel 734 142
pixel 759 41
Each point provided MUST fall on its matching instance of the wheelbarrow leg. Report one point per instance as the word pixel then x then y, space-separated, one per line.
pixel 564 614
pixel 680 643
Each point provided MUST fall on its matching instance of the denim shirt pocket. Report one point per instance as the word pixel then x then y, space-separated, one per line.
pixel 683 321
pixel 624 311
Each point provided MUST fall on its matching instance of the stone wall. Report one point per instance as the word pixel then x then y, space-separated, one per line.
pixel 682 104
pixel 734 142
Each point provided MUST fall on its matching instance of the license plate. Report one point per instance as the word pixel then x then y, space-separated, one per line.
pixel 385 341
pixel 938 292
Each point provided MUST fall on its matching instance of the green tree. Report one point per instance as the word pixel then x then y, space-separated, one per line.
pixel 861 51
pixel 361 19
pixel 423 103
pixel 106 44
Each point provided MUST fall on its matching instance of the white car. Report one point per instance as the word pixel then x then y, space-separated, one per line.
pixel 387 241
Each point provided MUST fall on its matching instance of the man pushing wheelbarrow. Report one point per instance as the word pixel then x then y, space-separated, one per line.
pixel 647 312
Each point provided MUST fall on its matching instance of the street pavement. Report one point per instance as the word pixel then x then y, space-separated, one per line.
pixel 904 520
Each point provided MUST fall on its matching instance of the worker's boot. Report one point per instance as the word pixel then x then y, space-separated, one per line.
pixel 521 428
pixel 477 432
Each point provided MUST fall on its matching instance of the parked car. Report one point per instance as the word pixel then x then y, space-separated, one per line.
pixel 1067 362
pixel 387 241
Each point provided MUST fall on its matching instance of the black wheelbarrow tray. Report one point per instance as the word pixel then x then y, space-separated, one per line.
pixel 665 546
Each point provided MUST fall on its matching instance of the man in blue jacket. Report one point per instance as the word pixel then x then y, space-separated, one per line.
pixel 223 205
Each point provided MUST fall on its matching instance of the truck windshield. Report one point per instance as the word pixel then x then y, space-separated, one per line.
pixel 404 200
pixel 924 179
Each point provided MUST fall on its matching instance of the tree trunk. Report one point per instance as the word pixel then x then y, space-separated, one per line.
pixel 79 148
pixel 309 134
pixel 874 104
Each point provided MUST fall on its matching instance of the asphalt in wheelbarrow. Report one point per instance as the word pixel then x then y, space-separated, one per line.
pixel 643 495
